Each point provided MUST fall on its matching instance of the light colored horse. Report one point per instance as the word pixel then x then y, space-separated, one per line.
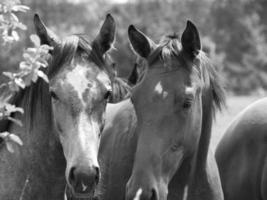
pixel 63 120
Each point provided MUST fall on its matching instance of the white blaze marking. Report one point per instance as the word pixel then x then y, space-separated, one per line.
pixel 103 78
pixel 138 194
pixel 164 94
pixel 88 137
pixel 77 78
pixel 84 187
pixel 159 89
pixel 189 90
pixel 185 193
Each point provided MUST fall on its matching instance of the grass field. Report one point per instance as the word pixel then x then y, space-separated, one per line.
pixel 234 105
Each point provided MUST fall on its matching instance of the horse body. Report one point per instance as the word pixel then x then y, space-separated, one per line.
pixel 159 140
pixel 242 155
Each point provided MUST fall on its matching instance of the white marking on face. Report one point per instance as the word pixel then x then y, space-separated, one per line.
pixel 103 78
pixel 189 90
pixel 84 187
pixel 159 90
pixel 88 130
pixel 164 94
pixel 138 194
pixel 77 78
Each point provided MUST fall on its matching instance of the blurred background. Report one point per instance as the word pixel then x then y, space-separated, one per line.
pixel 233 34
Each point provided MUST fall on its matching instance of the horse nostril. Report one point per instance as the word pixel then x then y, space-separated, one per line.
pixel 72 176
pixel 154 195
pixel 97 174
pixel 84 179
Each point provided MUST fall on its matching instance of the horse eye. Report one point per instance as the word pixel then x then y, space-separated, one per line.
pixel 175 147
pixel 187 104
pixel 107 95
pixel 84 55
pixel 53 95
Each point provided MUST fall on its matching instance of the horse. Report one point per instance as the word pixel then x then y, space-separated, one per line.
pixel 242 154
pixel 155 145
pixel 62 120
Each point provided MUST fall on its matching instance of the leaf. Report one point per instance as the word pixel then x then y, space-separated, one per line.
pixel 3 135
pixel 15 139
pixel 15 17
pixel 16 121
pixel 21 26
pixel 3 85
pixel 11 108
pixel 15 35
pixel 34 76
pixel 42 63
pixel 20 8
pixel 8 74
pixel 36 40
pixel 43 76
pixel 23 65
pixel 32 50
pixel 9 146
pixel 20 83
pixel 27 57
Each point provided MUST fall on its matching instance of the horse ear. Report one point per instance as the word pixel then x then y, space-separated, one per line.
pixel 190 39
pixel 106 35
pixel 45 35
pixel 141 44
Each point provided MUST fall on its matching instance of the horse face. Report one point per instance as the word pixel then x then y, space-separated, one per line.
pixel 80 90
pixel 79 98
pixel 169 113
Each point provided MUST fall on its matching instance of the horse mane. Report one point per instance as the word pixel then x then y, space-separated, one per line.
pixel 37 93
pixel 120 88
pixel 206 74
pixel 65 52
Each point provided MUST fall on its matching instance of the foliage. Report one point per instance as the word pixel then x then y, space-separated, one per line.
pixel 233 32
pixel 30 68
pixel 240 32
pixel 6 111
pixel 9 21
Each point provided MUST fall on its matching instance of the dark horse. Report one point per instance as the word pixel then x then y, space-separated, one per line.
pixel 63 119
pixel 242 155
pixel 157 143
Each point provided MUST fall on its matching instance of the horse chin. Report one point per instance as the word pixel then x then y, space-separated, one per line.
pixel 72 195
pixel 83 196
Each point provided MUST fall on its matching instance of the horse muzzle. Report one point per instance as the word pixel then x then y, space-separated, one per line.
pixel 82 182
pixel 70 194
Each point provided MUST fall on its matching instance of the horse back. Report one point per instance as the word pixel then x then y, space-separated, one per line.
pixel 242 152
